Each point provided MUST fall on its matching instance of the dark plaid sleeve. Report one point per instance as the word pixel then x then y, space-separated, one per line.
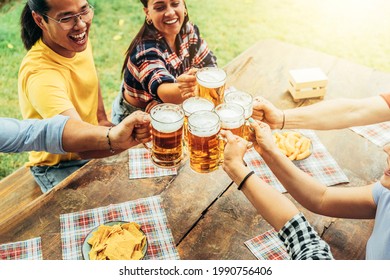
pixel 302 241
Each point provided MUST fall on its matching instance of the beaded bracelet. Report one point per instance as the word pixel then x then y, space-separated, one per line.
pixel 109 141
pixel 244 180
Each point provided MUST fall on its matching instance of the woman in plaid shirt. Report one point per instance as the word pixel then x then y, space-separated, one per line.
pixel 301 240
pixel 162 59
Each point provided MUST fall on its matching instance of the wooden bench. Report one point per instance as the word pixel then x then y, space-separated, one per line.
pixel 16 191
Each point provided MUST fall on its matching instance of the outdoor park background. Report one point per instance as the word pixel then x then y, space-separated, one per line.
pixel 357 30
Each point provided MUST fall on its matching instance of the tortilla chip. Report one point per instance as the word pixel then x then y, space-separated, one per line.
pixel 117 242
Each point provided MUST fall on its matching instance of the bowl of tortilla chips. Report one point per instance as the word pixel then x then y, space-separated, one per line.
pixel 116 240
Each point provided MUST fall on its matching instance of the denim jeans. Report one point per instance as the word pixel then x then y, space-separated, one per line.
pixel 121 108
pixel 48 177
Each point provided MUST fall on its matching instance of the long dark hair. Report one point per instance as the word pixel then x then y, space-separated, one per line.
pixel 30 31
pixel 147 32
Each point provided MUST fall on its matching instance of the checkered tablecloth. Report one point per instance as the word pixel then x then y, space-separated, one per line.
pixel 379 134
pixel 147 212
pixel 268 246
pixel 141 165
pixel 320 165
pixel 30 249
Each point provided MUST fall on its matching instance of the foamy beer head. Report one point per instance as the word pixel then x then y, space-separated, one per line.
pixel 194 104
pixel 203 141
pixel 241 98
pixel 232 117
pixel 167 128
pixel 211 82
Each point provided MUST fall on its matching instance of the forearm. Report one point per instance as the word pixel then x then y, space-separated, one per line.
pixel 80 136
pixel 170 93
pixel 304 188
pixel 264 198
pixel 338 113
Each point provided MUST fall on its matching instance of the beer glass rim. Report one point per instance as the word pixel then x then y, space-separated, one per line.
pixel 237 106
pixel 214 83
pixel 201 112
pixel 169 105
pixel 197 98
pixel 226 98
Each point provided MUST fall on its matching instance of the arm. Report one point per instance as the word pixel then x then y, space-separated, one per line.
pixel 261 195
pixel 91 141
pixel 32 135
pixel 181 90
pixel 300 239
pixel 101 112
pixel 333 201
pixel 329 114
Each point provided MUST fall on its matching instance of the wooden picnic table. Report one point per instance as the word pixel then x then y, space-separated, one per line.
pixel 208 216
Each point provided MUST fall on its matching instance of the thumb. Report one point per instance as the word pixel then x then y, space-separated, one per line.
pixel 254 125
pixel 192 71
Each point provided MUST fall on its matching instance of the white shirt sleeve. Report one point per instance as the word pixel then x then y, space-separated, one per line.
pixel 32 135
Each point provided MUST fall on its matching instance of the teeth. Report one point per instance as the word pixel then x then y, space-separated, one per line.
pixel 80 36
pixel 171 21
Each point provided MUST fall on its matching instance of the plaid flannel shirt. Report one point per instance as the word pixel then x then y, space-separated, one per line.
pixel 302 242
pixel 152 62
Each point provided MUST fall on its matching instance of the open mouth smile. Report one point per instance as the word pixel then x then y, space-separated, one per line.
pixel 80 38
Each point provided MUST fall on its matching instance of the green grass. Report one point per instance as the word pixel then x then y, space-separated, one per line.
pixel 354 30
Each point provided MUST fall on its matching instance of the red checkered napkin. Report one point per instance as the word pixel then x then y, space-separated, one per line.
pixel 320 165
pixel 147 212
pixel 268 246
pixel 30 249
pixel 141 165
pixel 379 134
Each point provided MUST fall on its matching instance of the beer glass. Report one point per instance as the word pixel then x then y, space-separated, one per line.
pixel 211 82
pixel 232 118
pixel 246 101
pixel 167 130
pixel 204 141
pixel 192 105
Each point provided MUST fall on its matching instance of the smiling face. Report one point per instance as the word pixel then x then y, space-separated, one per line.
pixel 385 179
pixel 64 42
pixel 167 17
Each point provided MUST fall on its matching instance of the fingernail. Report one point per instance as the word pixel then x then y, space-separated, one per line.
pixel 251 120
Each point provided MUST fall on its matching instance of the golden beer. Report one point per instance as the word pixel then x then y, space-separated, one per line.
pixel 203 140
pixel 167 130
pixel 192 105
pixel 211 82
pixel 246 101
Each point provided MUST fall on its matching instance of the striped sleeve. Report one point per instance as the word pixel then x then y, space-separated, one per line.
pixel 302 241
pixel 203 56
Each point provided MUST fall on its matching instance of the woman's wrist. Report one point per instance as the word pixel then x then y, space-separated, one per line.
pixel 236 171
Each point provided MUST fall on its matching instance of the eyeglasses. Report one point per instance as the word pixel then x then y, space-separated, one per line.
pixel 69 22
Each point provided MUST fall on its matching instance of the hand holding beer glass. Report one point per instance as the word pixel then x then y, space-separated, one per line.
pixel 211 83
pixel 167 129
pixel 246 101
